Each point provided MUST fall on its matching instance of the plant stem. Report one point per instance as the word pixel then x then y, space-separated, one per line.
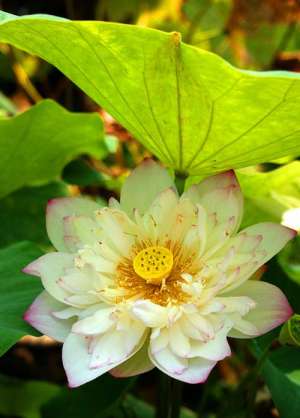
pixel 287 35
pixel 169 397
pixel 176 396
pixel 252 389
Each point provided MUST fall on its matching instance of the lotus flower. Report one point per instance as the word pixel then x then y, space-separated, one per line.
pixel 156 280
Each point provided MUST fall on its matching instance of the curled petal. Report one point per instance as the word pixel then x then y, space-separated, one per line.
pixel 40 316
pixel 101 321
pixel 51 267
pixel 143 185
pixel 179 342
pixel 60 208
pixel 194 370
pixel 85 358
pixel 271 309
pixel 215 349
pixel 137 364
pixel 116 345
pixel 159 339
pixel 76 359
pixel 150 314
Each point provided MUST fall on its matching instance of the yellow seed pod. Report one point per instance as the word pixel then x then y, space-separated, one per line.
pixel 153 264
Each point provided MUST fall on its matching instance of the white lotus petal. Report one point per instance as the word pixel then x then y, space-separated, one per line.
pixel 271 309
pixel 51 267
pixel 58 209
pixel 195 370
pixel 137 364
pixel 101 321
pixel 150 314
pixel 143 185
pixel 179 343
pixel 215 349
pixel 40 316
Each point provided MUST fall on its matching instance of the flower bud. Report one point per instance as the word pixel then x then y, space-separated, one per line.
pixel 290 332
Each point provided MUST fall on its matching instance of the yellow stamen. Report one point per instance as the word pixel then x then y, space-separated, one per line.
pixel 153 264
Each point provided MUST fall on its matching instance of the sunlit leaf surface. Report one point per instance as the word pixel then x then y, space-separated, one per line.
pixel 37 144
pixel 188 106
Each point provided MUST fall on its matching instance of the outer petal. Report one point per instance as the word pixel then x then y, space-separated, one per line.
pixel 272 308
pixel 50 267
pixel 253 247
pixel 40 316
pixel 101 321
pixel 58 209
pixel 195 370
pixel 76 359
pixel 80 231
pixel 222 199
pixel 143 185
pixel 137 364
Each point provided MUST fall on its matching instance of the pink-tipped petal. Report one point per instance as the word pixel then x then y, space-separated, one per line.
pixel 215 349
pixel 143 185
pixel 137 364
pixel 193 370
pixel 60 208
pixel 253 247
pixel 76 359
pixel 222 199
pixel 271 310
pixel 50 267
pixel 85 358
pixel 33 268
pixel 80 231
pixel 40 316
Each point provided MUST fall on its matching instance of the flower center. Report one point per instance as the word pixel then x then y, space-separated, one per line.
pixel 153 264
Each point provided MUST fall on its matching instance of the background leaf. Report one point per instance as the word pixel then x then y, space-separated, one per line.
pixel 281 372
pixel 37 144
pixel 188 106
pixel 93 400
pixel 268 195
pixel 23 213
pixel 140 409
pixel 17 292
pixel 30 396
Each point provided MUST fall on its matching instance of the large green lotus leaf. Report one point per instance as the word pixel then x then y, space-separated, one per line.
pixel 37 144
pixel 191 108
pixel 17 292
